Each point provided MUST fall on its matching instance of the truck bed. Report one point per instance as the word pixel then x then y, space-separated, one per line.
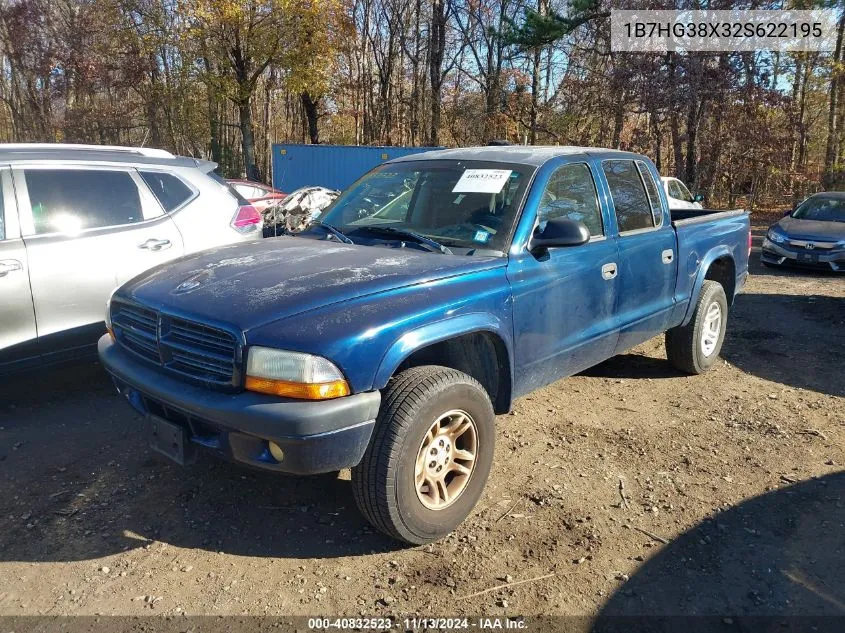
pixel 705 234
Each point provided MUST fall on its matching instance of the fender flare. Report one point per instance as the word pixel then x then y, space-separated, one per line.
pixel 703 268
pixel 436 332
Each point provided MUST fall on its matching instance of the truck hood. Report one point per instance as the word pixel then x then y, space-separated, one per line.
pixel 251 284
pixel 813 229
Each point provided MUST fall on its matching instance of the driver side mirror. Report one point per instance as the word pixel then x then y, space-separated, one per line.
pixel 788 212
pixel 560 231
pixel 698 197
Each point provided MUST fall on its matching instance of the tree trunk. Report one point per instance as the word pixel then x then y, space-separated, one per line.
pixel 677 146
pixel 831 166
pixel 802 116
pixel 152 122
pixel 655 126
pixel 415 71
pixel 793 109
pixel 386 94
pixel 690 171
pixel 267 124
pixel 696 106
pixel 708 175
pixel 535 91
pixel 309 105
pixel 492 80
pixel 840 131
pixel 213 117
pixel 248 141
pixel 437 46
pixel 535 82
pixel 366 78
pixel 618 118
pixel 152 99
pixel 674 124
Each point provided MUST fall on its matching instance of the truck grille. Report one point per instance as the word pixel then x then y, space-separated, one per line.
pixel 196 350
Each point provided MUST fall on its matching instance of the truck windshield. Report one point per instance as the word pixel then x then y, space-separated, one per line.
pixel 470 205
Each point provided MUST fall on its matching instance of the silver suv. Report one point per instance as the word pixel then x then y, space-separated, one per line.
pixel 78 220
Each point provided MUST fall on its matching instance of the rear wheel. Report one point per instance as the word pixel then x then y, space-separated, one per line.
pixel 694 347
pixel 430 455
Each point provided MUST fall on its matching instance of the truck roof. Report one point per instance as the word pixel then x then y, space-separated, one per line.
pixel 534 155
pixel 98 153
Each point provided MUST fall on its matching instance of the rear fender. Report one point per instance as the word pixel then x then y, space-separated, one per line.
pixel 703 267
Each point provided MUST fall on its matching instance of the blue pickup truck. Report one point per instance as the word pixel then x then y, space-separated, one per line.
pixel 437 289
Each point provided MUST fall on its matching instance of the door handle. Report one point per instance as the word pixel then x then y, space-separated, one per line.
pixel 667 256
pixel 608 271
pixel 155 245
pixel 9 265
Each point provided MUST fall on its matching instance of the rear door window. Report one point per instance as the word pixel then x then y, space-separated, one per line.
pixel 169 190
pixel 73 200
pixel 571 193
pixel 652 191
pixel 630 201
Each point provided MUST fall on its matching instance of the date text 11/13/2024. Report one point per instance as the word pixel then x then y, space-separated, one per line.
pixel 417 623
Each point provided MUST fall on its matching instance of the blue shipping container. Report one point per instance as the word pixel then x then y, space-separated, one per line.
pixel 332 166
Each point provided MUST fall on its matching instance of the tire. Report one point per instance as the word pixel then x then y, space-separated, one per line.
pixel 686 348
pixel 384 484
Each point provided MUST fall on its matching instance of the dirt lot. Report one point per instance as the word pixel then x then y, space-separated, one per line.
pixel 733 496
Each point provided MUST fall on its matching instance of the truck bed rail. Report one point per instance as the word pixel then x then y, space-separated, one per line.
pixel 692 216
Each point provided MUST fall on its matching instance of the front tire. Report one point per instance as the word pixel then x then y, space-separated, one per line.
pixel 693 348
pixel 429 457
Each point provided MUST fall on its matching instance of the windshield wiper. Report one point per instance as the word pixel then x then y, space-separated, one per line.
pixel 334 232
pixel 436 247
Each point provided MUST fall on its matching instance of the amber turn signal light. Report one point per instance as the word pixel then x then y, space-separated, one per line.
pixel 299 390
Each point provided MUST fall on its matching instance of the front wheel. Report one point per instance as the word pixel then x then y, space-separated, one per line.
pixel 429 457
pixel 694 347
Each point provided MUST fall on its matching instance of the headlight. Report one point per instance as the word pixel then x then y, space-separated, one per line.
pixel 108 315
pixel 774 236
pixel 293 375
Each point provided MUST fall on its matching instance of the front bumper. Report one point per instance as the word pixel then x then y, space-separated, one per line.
pixel 827 259
pixel 316 437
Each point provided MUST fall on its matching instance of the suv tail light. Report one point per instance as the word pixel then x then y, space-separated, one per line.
pixel 749 242
pixel 246 219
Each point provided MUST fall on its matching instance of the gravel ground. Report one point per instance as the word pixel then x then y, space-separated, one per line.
pixel 627 489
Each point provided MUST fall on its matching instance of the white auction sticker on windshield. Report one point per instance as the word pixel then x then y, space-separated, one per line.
pixel 482 181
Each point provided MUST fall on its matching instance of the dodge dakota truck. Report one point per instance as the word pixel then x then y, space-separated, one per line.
pixel 387 335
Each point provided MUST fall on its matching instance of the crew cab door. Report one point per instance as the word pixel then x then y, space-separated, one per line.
pixel 564 299
pixel 17 317
pixel 648 251
pixel 86 230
